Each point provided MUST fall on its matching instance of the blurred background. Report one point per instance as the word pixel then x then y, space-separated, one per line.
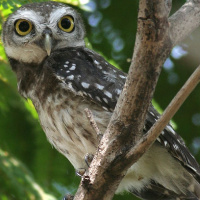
pixel 29 167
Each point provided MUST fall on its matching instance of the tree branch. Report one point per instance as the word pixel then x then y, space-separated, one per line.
pixel 140 148
pixel 184 21
pixel 152 47
pixel 154 40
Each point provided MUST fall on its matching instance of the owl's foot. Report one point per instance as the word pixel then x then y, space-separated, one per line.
pixel 88 158
pixel 80 172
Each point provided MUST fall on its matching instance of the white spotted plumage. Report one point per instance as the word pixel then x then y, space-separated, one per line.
pixel 118 91
pixel 73 78
pixel 121 76
pixel 100 87
pixel 98 99
pixel 108 94
pixel 105 100
pixel 170 129
pixel 72 67
pixel 85 85
pixel 96 62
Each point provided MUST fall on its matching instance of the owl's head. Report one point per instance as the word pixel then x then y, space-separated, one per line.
pixel 35 30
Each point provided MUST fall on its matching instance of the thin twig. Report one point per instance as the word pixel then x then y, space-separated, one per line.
pixel 93 122
pixel 146 141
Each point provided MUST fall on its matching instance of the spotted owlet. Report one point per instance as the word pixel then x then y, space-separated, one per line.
pixel 44 43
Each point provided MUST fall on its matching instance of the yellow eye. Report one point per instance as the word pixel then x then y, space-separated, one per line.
pixel 23 27
pixel 66 24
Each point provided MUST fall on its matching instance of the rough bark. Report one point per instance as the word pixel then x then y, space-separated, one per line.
pixel 145 142
pixel 155 38
pixel 184 21
pixel 151 49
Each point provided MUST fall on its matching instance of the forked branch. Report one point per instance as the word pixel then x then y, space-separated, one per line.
pixel 154 41
pixel 146 141
pixel 152 47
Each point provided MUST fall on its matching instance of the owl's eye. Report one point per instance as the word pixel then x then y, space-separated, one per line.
pixel 23 27
pixel 66 24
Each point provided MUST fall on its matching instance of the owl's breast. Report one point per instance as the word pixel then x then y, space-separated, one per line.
pixel 68 128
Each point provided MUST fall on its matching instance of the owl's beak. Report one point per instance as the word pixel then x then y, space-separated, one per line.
pixel 47 43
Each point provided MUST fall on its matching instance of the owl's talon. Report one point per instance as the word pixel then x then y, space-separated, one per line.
pixel 68 197
pixel 88 158
pixel 80 172
pixel 99 136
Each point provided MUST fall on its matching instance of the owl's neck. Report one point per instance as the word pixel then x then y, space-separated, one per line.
pixel 34 81
pixel 29 53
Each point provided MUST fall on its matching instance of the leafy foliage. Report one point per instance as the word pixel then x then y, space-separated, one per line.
pixel 19 180
pixel 111 28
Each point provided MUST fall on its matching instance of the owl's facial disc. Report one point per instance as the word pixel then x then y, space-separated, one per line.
pixel 34 33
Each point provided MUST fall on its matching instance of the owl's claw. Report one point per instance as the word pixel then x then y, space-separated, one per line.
pixel 88 158
pixel 80 172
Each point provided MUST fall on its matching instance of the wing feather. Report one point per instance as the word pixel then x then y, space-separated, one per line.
pixel 90 75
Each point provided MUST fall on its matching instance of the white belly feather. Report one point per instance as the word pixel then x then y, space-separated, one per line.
pixel 69 131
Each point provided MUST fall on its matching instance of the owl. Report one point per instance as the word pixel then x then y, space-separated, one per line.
pixel 44 43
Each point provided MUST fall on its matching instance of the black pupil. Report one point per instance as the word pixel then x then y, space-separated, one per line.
pixel 65 23
pixel 24 26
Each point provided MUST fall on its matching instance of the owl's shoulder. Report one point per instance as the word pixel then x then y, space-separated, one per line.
pixel 86 72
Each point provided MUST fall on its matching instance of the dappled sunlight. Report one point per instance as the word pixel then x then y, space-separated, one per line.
pixel 29 167
pixel 18 176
